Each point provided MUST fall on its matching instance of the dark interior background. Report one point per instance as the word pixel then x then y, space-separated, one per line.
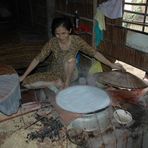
pixel 24 15
pixel 25 27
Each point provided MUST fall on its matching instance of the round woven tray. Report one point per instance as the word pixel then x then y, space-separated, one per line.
pixel 120 79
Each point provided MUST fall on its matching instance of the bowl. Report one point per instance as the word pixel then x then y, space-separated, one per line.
pixel 122 116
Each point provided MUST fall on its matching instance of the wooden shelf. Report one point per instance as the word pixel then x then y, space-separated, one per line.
pixel 72 15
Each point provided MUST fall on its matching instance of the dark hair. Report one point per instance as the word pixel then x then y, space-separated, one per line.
pixel 61 21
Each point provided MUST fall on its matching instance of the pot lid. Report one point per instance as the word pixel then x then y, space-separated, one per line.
pixel 82 99
pixel 120 79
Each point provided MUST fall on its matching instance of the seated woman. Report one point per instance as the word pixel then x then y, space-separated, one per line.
pixel 64 47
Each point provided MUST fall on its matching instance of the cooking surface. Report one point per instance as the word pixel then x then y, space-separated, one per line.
pixel 119 137
pixel 82 99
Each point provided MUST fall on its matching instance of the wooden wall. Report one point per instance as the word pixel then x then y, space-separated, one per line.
pixel 85 12
pixel 37 14
pixel 114 45
pixel 20 44
pixel 114 37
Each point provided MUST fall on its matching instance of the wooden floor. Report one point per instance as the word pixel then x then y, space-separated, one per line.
pixel 20 126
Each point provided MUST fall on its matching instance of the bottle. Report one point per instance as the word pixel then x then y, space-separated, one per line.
pixel 76 20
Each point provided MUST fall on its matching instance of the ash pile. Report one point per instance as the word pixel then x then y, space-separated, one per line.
pixel 51 129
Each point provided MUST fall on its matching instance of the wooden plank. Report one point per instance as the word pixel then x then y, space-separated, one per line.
pixel 25 109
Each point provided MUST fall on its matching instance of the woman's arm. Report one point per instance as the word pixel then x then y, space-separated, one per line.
pixel 40 57
pixel 32 65
pixel 105 61
pixel 87 49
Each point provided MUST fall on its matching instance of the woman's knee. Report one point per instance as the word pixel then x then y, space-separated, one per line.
pixel 72 61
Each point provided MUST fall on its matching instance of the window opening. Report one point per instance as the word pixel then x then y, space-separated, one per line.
pixel 135 15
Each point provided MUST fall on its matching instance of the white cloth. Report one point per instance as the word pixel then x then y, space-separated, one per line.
pixel 111 8
pixel 99 17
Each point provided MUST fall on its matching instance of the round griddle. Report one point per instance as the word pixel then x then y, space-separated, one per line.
pixel 82 99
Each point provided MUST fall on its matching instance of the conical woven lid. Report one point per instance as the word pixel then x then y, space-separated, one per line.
pixel 120 79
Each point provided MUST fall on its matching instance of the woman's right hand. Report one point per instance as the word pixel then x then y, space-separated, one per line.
pixel 32 65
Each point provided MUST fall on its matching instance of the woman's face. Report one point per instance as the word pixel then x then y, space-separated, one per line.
pixel 62 33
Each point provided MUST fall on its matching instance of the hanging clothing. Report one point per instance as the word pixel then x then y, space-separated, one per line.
pixel 99 17
pixel 99 34
pixel 111 8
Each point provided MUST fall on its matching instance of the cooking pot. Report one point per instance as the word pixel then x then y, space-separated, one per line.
pixel 92 103
pixel 99 120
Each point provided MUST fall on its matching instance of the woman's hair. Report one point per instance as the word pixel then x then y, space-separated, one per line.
pixel 61 21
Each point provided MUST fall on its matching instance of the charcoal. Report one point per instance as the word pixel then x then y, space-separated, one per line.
pixel 51 129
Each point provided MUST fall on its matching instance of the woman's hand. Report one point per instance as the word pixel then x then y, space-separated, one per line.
pixel 102 59
pixel 117 66
pixel 32 65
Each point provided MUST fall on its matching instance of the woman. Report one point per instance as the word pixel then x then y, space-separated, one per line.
pixel 64 47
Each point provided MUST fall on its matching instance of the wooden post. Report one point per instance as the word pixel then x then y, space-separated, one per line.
pixel 94 22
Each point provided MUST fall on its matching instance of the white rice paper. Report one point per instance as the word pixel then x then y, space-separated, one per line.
pixel 82 99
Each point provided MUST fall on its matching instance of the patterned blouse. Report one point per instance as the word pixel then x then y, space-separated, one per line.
pixel 56 70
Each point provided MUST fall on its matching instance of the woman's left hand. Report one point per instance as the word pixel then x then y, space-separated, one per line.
pixel 118 66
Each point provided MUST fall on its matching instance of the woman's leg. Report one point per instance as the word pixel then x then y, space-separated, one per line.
pixel 55 86
pixel 69 66
pixel 44 84
pixel 42 80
